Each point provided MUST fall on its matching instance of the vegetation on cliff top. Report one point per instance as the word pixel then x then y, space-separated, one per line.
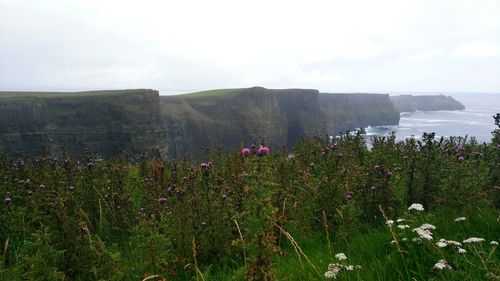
pixel 400 211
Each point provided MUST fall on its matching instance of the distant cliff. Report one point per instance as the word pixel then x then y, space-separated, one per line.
pixel 280 117
pixel 348 111
pixel 104 122
pixel 135 121
pixel 409 103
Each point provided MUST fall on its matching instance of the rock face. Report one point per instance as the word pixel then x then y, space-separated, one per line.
pixel 409 103
pixel 104 122
pixel 229 117
pixel 280 117
pixel 136 121
pixel 348 111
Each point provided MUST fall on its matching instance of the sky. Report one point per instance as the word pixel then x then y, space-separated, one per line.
pixel 184 46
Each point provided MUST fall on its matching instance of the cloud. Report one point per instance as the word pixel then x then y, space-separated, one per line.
pixel 330 45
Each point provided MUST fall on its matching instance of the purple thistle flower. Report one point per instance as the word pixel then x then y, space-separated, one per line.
pixel 461 159
pixel 7 200
pixel 84 229
pixel 162 200
pixel 389 174
pixel 205 166
pixel 42 186
pixel 263 150
pixel 349 196
pixel 245 151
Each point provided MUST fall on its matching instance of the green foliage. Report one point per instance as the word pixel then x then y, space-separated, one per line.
pixel 255 217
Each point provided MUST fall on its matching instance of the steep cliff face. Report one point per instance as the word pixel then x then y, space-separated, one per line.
pixel 280 117
pixel 229 117
pixel 349 111
pixel 409 103
pixel 105 122
pixel 135 121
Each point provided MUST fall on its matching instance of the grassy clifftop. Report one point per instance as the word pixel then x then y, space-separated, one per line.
pixel 409 103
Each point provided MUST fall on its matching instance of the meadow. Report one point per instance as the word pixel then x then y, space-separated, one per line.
pixel 415 210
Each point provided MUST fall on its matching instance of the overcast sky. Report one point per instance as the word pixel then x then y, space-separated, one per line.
pixel 179 46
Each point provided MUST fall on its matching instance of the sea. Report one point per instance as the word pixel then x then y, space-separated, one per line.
pixel 475 121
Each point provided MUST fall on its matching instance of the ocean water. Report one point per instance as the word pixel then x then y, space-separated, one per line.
pixel 475 121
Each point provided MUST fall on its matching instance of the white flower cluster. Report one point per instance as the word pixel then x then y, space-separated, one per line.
pixel 443 243
pixel 494 243
pixel 389 222
pixel 403 226
pixel 335 268
pixel 441 264
pixel 416 207
pixel 473 240
pixel 460 219
pixel 341 256
pixel 424 231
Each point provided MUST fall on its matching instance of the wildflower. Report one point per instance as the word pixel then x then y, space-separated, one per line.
pixel 394 242
pixel 403 226
pixel 416 207
pixel 42 186
pixel 494 243
pixel 460 219
pixel 461 251
pixel 348 196
pixel 441 244
pixel 473 240
pixel 404 239
pixel 441 264
pixel 424 231
pixel 389 222
pixel 7 200
pixel 245 151
pixel 71 188
pixel 400 220
pixel 162 200
pixel 389 174
pixel 461 158
pixel 205 166
pixel 453 242
pixel 330 274
pixel 349 267
pixel 263 150
pixel 30 192
pixel 84 229
pixel 341 256
pixel 373 188
pixel 416 240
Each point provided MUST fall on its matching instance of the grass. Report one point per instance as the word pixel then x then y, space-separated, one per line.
pixel 265 216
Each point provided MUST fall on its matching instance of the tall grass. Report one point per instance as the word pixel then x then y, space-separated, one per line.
pixel 265 216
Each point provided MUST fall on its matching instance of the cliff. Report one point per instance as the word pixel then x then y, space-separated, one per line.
pixel 228 117
pixel 348 111
pixel 104 122
pixel 280 117
pixel 135 121
pixel 409 103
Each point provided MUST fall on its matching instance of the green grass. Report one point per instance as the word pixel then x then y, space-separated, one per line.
pixel 28 94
